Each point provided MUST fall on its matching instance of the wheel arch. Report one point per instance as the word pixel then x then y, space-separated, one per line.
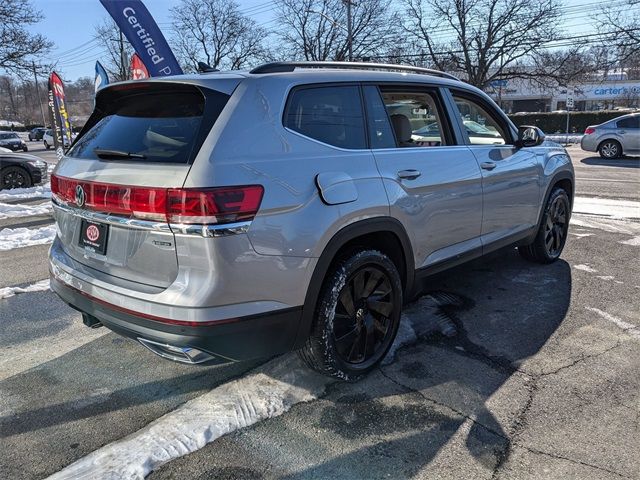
pixel 381 233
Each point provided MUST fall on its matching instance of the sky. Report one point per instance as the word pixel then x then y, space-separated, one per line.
pixel 70 25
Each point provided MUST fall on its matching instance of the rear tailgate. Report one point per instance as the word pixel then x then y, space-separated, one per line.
pixel 110 190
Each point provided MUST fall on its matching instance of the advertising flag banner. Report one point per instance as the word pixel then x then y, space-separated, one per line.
pixel 102 79
pixel 58 115
pixel 138 70
pixel 137 24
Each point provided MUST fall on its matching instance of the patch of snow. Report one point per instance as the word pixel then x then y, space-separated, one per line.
pixel 580 235
pixel 26 237
pixel 585 268
pixel 605 277
pixel 634 242
pixel 40 286
pixel 606 224
pixel 619 209
pixel 406 334
pixel 560 138
pixel 9 210
pixel 629 328
pixel 31 192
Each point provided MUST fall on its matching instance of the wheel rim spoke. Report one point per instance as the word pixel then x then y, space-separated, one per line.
pixel 383 308
pixel 373 282
pixel 346 299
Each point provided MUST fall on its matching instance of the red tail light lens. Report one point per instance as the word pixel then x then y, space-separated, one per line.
pixel 173 205
pixel 214 205
pixel 589 131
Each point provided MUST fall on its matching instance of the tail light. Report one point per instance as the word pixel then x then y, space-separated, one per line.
pixel 173 205
pixel 589 130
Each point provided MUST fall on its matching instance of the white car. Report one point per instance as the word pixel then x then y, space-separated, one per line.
pixel 47 139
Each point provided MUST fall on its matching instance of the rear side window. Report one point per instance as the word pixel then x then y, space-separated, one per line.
pixel 329 114
pixel 630 122
pixel 155 126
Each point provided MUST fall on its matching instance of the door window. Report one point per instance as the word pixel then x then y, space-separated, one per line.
pixel 415 118
pixel 480 126
pixel 329 114
pixel 630 122
pixel 380 132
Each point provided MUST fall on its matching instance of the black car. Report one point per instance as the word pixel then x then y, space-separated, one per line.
pixel 36 133
pixel 18 170
pixel 12 141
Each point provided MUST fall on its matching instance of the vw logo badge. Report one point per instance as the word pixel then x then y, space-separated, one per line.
pixel 80 196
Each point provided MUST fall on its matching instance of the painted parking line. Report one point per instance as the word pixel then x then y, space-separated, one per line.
pixel 629 328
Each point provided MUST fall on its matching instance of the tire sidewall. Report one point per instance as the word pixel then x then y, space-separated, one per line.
pixel 327 305
pixel 613 142
pixel 558 192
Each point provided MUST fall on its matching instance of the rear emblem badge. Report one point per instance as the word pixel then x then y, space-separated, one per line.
pixel 80 197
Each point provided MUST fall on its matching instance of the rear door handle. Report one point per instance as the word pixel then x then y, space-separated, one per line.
pixel 409 174
pixel 488 165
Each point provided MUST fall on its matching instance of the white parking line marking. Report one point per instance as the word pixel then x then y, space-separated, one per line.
pixel 585 268
pixel 626 209
pixel 634 242
pixel 629 328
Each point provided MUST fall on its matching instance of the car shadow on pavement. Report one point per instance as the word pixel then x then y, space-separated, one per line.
pixel 624 162
pixel 445 392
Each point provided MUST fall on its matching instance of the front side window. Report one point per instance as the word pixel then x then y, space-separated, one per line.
pixel 415 118
pixel 480 126
pixel 329 114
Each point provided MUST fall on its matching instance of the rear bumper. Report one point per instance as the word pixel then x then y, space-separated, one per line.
pixel 233 339
pixel 588 143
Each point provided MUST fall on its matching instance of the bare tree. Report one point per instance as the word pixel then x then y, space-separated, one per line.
pixel 116 66
pixel 622 26
pixel 484 40
pixel 317 29
pixel 216 32
pixel 19 48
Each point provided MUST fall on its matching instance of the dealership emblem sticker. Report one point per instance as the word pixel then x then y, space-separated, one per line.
pixel 80 196
pixel 93 233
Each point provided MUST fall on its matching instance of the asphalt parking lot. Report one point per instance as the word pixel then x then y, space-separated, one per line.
pixel 540 380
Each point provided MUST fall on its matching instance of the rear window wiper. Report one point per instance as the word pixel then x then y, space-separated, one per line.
pixel 116 154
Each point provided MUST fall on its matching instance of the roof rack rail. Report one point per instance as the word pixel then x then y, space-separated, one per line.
pixel 281 67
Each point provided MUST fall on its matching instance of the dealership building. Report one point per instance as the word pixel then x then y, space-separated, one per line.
pixel 524 96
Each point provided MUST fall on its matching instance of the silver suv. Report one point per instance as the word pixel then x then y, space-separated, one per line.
pixel 229 216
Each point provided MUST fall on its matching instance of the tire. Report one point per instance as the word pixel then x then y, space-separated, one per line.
pixel 357 316
pixel 610 149
pixel 25 149
pixel 46 145
pixel 552 233
pixel 14 177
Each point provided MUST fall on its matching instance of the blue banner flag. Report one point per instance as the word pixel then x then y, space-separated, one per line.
pixel 137 24
pixel 102 79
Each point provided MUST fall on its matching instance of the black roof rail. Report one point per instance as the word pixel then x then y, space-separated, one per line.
pixel 281 67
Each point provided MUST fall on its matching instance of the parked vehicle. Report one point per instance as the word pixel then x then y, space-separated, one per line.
pixel 36 133
pixel 177 232
pixel 18 170
pixel 614 138
pixel 48 141
pixel 12 141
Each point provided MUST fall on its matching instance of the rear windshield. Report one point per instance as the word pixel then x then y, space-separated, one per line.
pixel 152 126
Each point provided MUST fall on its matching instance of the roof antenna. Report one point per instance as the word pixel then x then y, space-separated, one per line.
pixel 205 68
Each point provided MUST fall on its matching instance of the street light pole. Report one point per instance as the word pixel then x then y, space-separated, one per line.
pixel 35 77
pixel 349 3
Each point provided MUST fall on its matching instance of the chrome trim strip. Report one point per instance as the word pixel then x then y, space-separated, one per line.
pixel 207 231
pixel 211 230
pixel 111 219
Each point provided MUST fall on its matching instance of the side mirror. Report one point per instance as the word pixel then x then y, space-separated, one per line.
pixel 529 137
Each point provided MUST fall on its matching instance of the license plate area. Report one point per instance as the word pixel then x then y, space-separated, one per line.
pixel 93 236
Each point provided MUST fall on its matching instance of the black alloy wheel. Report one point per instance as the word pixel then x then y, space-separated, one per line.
pixel 14 177
pixel 357 316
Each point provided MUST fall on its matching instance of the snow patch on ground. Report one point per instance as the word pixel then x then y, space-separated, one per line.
pixel 618 209
pixel 406 334
pixel 22 193
pixel 585 268
pixel 629 328
pixel 11 238
pixel 559 138
pixel 606 277
pixel 634 242
pixel 40 286
pixel 9 210
pixel 267 392
pixel 606 224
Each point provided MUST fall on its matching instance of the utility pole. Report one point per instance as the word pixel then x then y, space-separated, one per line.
pixel 123 60
pixel 35 77
pixel 349 4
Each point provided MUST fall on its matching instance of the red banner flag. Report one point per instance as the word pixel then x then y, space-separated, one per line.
pixel 138 70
